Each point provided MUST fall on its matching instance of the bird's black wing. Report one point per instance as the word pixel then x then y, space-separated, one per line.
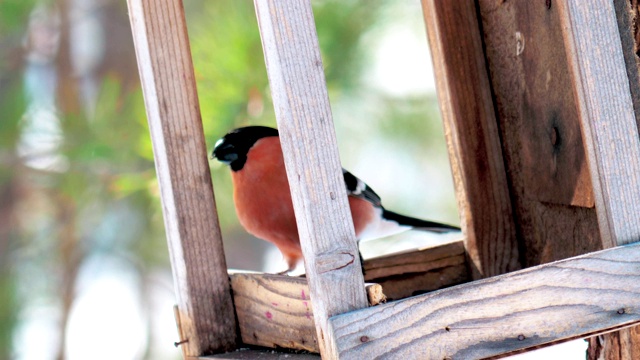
pixel 359 189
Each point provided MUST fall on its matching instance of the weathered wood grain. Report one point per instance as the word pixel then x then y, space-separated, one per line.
pixel 606 110
pixel 628 22
pixel 537 89
pixel 540 305
pixel 275 311
pixel 412 261
pixel 605 81
pixel 624 344
pixel 472 136
pixel 249 354
pixel 451 272
pixel 418 271
pixel 540 130
pixel 193 234
pixel 301 103
pixel 619 345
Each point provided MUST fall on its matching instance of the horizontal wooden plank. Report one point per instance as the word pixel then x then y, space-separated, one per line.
pixel 402 286
pixel 541 305
pixel 251 354
pixel 275 310
pixel 412 261
pixel 418 271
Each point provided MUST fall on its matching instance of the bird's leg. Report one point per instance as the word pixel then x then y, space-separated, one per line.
pixel 291 263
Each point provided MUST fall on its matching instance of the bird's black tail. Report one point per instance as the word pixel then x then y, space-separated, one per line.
pixel 418 223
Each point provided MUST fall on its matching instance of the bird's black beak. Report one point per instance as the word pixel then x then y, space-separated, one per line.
pixel 224 152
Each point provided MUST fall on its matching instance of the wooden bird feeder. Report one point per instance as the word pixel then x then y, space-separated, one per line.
pixel 540 106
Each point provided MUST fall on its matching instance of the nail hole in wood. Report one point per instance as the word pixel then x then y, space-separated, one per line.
pixel 555 137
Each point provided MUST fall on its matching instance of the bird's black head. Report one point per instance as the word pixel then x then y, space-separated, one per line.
pixel 232 149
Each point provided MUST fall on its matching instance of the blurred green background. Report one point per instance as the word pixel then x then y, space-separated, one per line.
pixel 84 269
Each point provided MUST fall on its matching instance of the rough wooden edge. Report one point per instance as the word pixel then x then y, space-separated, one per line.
pixel 419 271
pixel 206 314
pixel 608 119
pixel 472 136
pixel 452 271
pixel 413 261
pixel 538 306
pixel 301 103
pixel 252 354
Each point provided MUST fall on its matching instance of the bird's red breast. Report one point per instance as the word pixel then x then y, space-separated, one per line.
pixel 263 200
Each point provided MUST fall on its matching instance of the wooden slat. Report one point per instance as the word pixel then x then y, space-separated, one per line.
pixel 413 261
pixel 540 130
pixel 472 136
pixel 411 284
pixel 418 271
pixel 193 234
pixel 249 354
pixel 275 310
pixel 301 103
pixel 606 110
pixel 604 88
pixel 628 21
pixel 540 305
pixel 535 103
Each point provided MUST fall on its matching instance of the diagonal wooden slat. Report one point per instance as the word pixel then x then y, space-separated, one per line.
pixel 327 237
pixel 206 314
pixel 537 306
pixel 472 136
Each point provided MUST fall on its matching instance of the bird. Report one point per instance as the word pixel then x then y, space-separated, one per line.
pixel 263 200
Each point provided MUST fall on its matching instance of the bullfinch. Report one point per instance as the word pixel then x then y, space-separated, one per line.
pixel 263 200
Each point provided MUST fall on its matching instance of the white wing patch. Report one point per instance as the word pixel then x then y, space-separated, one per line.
pixel 360 187
pixel 381 227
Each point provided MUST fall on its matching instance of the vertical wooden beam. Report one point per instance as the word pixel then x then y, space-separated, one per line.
pixel 540 130
pixel 296 77
pixel 602 88
pixel 472 136
pixel 628 22
pixel 608 118
pixel 623 344
pixel 193 234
